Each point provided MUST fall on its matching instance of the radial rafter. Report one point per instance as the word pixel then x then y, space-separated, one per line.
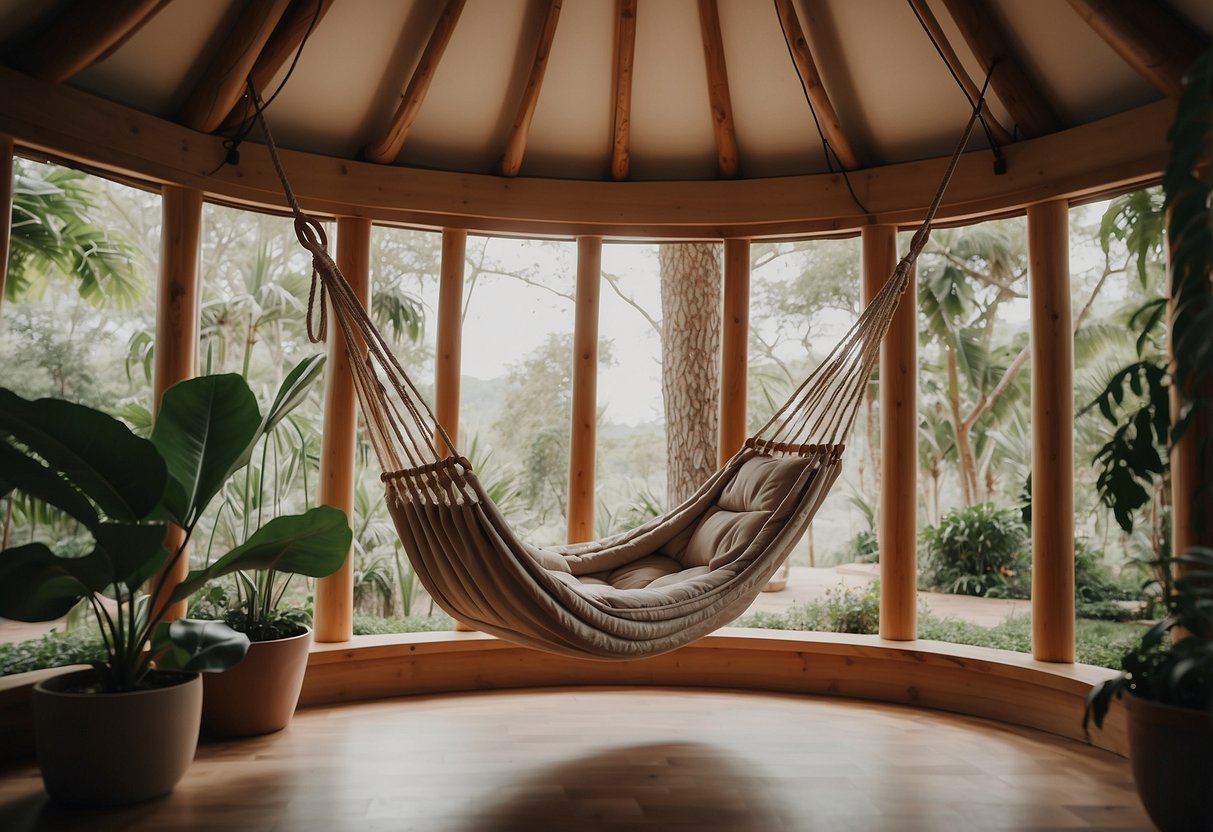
pixel 806 68
pixel 301 17
pixel 1150 37
pixel 923 10
pixel 515 147
pixel 727 153
pixel 223 82
pixel 1033 114
pixel 80 35
pixel 621 91
pixel 387 147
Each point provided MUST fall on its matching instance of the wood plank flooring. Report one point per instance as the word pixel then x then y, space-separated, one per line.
pixel 617 759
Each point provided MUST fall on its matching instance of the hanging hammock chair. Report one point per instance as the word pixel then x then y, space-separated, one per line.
pixel 644 592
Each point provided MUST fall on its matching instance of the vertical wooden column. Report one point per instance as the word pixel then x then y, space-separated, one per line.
pixel 177 328
pixel 450 335
pixel 335 593
pixel 6 207
pixel 734 347
pixel 583 436
pixel 898 509
pixel 1192 455
pixel 1052 344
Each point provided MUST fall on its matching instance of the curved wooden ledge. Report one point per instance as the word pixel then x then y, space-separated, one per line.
pixel 992 684
pixel 1113 154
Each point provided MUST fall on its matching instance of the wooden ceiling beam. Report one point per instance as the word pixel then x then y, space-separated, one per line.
pixel 972 90
pixel 806 68
pixel 727 153
pixel 621 90
pixel 515 146
pixel 299 19
pixel 1150 37
pixel 1033 114
pixel 1114 154
pixel 80 35
pixel 387 147
pixel 221 85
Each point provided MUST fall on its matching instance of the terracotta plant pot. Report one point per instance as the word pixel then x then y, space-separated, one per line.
pixel 1171 750
pixel 109 749
pixel 259 695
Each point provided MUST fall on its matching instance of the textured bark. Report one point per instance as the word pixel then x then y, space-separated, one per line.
pixel 690 360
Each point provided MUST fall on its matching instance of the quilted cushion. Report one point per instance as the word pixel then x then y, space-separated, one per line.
pixel 679 577
pixel 722 536
pixel 640 573
pixel 761 484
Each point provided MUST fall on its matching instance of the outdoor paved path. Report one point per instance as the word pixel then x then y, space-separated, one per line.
pixel 810 584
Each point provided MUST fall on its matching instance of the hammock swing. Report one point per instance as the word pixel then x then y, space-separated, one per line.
pixel 647 591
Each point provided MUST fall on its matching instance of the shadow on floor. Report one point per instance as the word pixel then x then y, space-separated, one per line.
pixel 671 786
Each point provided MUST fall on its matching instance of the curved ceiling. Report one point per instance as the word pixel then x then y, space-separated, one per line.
pixel 537 88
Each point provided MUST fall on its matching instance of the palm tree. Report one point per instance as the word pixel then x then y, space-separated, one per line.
pixel 54 238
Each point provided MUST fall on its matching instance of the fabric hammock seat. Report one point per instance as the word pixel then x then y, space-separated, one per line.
pixel 641 593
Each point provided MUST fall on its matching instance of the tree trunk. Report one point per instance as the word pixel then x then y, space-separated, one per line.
pixel 690 363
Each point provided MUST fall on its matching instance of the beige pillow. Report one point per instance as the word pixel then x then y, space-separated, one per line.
pixel 761 484
pixel 722 536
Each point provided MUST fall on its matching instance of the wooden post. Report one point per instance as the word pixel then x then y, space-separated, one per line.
pixel 1191 459
pixel 177 330
pixel 734 347
pixel 898 509
pixel 450 335
pixel 6 207
pixel 583 436
pixel 1052 344
pixel 335 594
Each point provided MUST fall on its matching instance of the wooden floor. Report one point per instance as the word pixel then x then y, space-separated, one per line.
pixel 583 760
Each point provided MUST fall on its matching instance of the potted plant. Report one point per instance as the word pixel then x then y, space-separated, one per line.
pixel 259 695
pixel 1170 703
pixel 121 490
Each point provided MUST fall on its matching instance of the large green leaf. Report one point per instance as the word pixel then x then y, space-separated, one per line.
pixel 121 473
pixel 203 426
pixel 134 552
pixel 37 585
pixel 291 393
pixel 20 471
pixel 203 646
pixel 313 544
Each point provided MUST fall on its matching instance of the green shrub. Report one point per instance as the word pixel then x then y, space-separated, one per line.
pixel 1094 582
pixel 977 550
pixel 54 649
pixel 1100 643
pixel 843 610
pixel 371 625
pixel 863 548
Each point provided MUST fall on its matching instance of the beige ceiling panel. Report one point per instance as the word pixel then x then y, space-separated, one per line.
pixel 886 78
pixel 672 134
pixel 159 65
pixel 774 124
pixel 571 132
pixel 1048 36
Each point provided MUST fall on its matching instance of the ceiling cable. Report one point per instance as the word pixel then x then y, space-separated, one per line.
pixel 1000 161
pixel 830 153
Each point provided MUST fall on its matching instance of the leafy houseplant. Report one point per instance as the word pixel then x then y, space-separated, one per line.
pixel 121 489
pixel 1171 702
